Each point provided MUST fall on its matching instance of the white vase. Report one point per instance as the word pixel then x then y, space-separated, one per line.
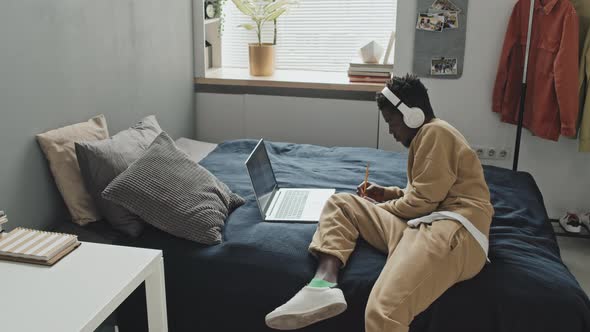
pixel 371 52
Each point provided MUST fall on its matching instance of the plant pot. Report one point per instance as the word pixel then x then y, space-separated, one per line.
pixel 262 59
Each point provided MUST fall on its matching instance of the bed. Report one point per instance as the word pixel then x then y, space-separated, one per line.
pixel 231 286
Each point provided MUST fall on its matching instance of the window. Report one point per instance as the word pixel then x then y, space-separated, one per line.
pixel 322 35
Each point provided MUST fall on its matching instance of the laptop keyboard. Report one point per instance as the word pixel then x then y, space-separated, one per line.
pixel 293 204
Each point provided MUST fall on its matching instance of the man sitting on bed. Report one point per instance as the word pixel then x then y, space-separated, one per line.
pixel 434 232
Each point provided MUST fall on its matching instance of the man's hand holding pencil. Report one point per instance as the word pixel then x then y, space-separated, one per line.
pixel 370 191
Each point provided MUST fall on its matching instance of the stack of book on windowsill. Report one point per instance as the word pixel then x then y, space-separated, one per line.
pixel 36 247
pixel 360 72
pixel 3 219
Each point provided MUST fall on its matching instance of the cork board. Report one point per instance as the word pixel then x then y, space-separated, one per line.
pixel 440 53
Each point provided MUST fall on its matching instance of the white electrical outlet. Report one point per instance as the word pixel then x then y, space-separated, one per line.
pixel 503 153
pixel 490 153
pixel 480 151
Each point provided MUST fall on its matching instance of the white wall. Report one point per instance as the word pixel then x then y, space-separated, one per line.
pixel 561 172
pixel 64 61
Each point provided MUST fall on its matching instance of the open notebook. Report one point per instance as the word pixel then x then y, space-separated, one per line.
pixel 38 247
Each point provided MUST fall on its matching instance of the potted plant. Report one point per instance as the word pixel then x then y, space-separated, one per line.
pixel 261 54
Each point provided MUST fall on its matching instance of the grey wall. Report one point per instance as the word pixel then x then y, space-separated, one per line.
pixel 328 122
pixel 64 61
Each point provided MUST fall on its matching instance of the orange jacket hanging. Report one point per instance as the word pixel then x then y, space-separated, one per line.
pixel 552 102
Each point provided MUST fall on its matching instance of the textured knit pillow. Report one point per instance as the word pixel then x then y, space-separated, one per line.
pixel 101 161
pixel 173 193
pixel 58 146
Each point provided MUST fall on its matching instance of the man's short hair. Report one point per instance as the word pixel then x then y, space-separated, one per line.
pixel 411 91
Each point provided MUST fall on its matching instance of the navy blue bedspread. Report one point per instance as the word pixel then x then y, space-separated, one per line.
pixel 231 286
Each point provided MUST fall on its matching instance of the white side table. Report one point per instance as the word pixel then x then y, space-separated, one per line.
pixel 79 292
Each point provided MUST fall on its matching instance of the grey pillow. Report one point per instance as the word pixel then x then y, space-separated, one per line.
pixel 101 161
pixel 175 194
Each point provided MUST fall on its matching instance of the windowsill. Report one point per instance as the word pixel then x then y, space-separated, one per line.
pixel 289 79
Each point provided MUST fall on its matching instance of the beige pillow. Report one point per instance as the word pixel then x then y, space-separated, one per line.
pixel 58 146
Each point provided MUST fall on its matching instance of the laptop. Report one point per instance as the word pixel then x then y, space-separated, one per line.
pixel 282 204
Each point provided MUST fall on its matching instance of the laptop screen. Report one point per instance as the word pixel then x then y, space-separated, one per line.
pixel 262 176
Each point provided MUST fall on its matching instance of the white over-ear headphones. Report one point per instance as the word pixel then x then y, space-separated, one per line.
pixel 413 116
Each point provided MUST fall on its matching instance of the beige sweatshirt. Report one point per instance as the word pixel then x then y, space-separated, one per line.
pixel 444 174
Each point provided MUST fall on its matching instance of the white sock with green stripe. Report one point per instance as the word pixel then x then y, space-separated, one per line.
pixel 321 283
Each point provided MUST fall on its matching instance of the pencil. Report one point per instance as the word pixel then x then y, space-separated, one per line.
pixel 366 179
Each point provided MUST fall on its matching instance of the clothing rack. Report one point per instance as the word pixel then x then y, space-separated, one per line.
pixel 523 93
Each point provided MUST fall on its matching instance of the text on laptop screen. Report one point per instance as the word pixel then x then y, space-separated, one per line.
pixel 263 179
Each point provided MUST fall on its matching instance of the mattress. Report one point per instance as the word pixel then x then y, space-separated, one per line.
pixel 260 265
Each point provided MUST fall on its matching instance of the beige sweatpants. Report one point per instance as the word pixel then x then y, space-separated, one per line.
pixel 422 263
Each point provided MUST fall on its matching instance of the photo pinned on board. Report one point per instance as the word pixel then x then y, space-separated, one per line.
pixel 443 66
pixel 451 20
pixel 444 5
pixel 431 22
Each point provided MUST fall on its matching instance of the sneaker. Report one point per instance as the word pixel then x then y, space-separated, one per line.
pixel 570 223
pixel 585 220
pixel 310 305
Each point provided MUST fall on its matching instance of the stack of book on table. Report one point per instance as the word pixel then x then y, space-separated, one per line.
pixel 369 72
pixel 36 247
